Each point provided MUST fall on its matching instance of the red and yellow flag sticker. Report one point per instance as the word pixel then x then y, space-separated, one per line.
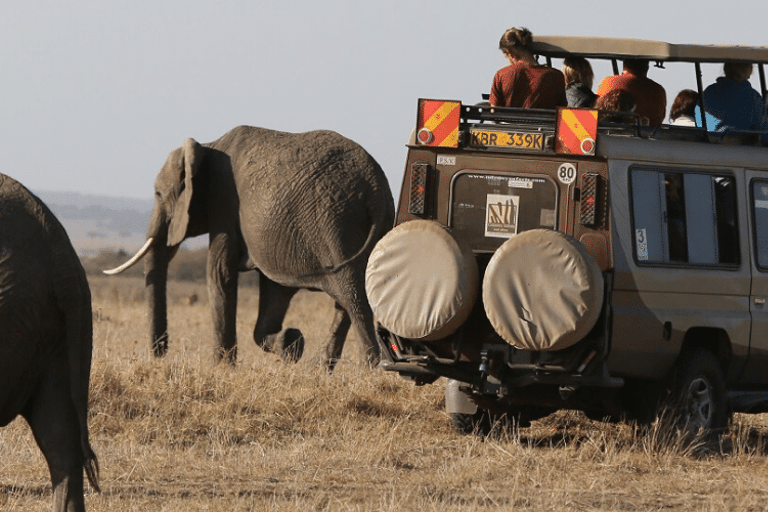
pixel 438 123
pixel 576 131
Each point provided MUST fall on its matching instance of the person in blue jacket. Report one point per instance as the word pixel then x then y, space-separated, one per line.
pixel 734 104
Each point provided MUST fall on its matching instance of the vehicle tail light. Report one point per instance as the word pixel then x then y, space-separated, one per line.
pixel 438 122
pixel 590 192
pixel 418 200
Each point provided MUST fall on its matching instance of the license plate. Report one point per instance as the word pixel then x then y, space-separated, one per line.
pixel 508 139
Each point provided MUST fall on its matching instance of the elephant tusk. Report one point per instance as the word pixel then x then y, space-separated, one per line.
pixel 131 262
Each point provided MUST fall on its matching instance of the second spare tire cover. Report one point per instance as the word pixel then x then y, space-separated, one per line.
pixel 542 290
pixel 421 282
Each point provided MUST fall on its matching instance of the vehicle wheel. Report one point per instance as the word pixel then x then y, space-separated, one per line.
pixel 484 422
pixel 421 281
pixel 699 393
pixel 542 290
pixel 468 423
pixel 480 423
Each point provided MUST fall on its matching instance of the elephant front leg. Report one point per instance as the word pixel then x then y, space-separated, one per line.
pixel 269 334
pixel 156 275
pixel 222 293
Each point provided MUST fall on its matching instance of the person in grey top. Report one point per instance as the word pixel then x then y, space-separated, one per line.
pixel 578 82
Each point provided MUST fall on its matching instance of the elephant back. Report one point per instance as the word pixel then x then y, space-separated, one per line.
pixel 316 198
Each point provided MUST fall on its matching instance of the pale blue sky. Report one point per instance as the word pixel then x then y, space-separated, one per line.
pixel 94 93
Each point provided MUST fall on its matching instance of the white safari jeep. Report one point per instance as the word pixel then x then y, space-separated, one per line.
pixel 545 260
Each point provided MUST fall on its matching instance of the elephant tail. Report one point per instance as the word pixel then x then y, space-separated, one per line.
pixel 79 339
pixel 382 213
pixel 91 466
pixel 73 297
pixel 374 234
pixel 80 346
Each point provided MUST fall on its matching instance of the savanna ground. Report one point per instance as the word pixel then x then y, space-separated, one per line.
pixel 182 434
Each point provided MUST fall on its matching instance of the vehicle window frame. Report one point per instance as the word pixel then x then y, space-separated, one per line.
pixel 503 174
pixel 753 218
pixel 682 264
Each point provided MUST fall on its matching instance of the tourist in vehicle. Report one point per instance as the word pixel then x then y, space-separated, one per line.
pixel 614 101
pixel 683 110
pixel 734 104
pixel 650 97
pixel 525 83
pixel 578 82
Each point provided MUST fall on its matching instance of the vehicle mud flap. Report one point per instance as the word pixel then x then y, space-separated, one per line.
pixel 421 281
pixel 542 290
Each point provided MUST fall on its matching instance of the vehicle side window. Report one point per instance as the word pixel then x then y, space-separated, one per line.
pixel 760 213
pixel 685 218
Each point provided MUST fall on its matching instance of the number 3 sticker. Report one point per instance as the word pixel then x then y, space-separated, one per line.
pixel 566 174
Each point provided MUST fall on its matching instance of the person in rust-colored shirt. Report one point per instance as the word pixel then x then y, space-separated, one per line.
pixel 650 97
pixel 525 83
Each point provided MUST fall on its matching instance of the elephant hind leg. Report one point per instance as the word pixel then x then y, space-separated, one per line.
pixel 335 345
pixel 362 319
pixel 269 334
pixel 352 308
pixel 53 419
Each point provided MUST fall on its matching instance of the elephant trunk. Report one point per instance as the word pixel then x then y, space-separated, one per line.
pixel 156 276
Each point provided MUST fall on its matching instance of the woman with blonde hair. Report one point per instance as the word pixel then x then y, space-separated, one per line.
pixel 525 83
pixel 578 82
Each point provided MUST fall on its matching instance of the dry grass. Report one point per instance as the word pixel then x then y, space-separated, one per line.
pixel 182 434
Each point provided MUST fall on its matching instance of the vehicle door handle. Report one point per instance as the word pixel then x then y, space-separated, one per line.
pixel 759 300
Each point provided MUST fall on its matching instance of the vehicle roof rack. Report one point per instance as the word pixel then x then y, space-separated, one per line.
pixel 613 49
pixel 620 48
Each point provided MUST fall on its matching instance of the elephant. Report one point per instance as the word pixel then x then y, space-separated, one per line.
pixel 46 337
pixel 303 209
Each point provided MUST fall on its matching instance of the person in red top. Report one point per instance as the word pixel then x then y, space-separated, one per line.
pixel 650 97
pixel 525 83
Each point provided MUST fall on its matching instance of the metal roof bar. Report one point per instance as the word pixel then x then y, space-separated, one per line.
pixel 620 48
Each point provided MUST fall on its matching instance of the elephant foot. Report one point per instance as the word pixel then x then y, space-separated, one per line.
pixel 291 345
pixel 372 361
pixel 288 343
pixel 160 345
pixel 224 355
pixel 330 357
pixel 326 362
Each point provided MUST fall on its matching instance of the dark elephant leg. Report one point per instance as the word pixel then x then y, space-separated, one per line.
pixel 53 419
pixel 361 316
pixel 352 308
pixel 156 276
pixel 222 270
pixel 335 345
pixel 274 300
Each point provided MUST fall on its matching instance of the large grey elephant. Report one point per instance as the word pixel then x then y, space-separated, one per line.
pixel 304 209
pixel 46 335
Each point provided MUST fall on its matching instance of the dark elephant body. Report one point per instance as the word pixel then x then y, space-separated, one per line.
pixel 45 339
pixel 305 210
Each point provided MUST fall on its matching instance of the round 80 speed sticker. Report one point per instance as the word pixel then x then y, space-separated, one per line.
pixel 566 174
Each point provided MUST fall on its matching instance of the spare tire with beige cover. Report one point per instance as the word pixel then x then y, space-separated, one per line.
pixel 542 290
pixel 422 283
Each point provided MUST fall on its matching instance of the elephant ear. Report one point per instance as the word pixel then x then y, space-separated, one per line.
pixel 192 156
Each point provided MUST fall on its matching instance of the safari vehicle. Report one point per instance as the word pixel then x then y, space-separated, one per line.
pixel 546 260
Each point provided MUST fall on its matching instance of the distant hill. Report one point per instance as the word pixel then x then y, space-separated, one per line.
pixel 96 223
